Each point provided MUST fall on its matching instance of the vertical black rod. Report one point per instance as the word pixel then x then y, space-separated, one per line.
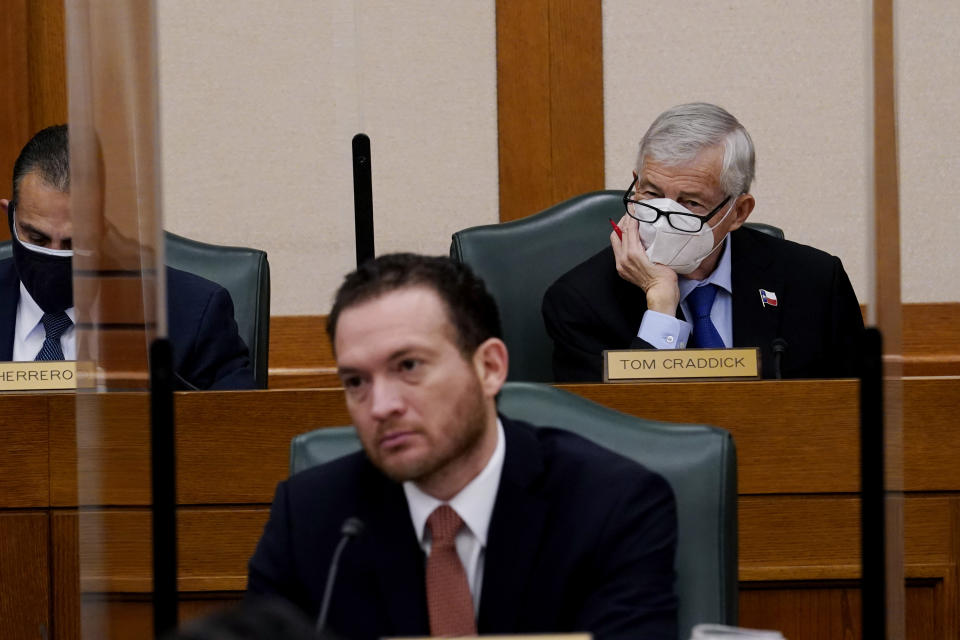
pixel 872 491
pixel 362 198
pixel 164 488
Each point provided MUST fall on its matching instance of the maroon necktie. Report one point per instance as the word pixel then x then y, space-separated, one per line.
pixel 448 594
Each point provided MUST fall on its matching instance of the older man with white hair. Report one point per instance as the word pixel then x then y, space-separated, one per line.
pixel 682 271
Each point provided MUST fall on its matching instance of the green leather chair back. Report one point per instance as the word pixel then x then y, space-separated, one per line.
pixel 518 260
pixel 698 461
pixel 244 272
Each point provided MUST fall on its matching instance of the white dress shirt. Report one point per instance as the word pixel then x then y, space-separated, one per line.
pixel 29 334
pixel 663 331
pixel 474 505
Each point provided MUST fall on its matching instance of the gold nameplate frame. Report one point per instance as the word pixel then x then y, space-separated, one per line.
pixel 38 376
pixel 630 365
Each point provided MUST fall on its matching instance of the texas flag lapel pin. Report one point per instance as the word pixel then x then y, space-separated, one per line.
pixel 768 298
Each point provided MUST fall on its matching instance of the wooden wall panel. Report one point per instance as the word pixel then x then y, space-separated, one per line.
pixel 886 181
pixel 218 442
pixel 48 64
pixel 23 452
pixel 770 458
pixel 576 97
pixel 550 102
pixel 131 615
pixel 65 575
pixel 931 409
pixel 213 548
pixel 24 562
pixel 831 611
pixel 33 76
pixel 931 347
pixel 523 107
pixel 15 106
pixel 298 360
pixel 798 545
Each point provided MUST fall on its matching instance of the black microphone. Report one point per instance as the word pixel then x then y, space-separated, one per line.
pixel 779 346
pixel 352 528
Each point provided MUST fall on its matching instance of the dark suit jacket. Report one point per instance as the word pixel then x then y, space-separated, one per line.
pixel 580 539
pixel 208 353
pixel 591 308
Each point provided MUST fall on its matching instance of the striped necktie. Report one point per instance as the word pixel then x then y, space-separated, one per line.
pixel 55 324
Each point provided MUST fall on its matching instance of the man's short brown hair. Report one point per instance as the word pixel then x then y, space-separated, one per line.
pixel 471 309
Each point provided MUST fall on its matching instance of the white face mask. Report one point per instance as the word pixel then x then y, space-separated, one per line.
pixel 682 251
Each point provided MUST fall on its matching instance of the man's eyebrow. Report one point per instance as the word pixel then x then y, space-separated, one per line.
pixel 695 195
pixel 399 354
pixel 32 229
pixel 646 182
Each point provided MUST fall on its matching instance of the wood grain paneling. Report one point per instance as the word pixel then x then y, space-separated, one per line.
pixel 23 452
pixel 214 546
pixel 931 437
pixel 549 102
pixel 300 341
pixel 220 437
pixel 32 74
pixel 800 538
pixel 771 459
pixel 15 106
pixel 886 181
pixel 301 356
pixel 576 98
pixel 798 522
pixel 831 611
pixel 131 615
pixel 931 347
pixel 523 107
pixel 259 427
pixel 48 67
pixel 24 576
pixel 65 575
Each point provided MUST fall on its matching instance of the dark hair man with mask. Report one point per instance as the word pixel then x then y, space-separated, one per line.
pixel 474 523
pixel 687 273
pixel 36 288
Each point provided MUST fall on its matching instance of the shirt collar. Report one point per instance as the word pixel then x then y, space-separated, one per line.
pixel 29 313
pixel 720 276
pixel 474 503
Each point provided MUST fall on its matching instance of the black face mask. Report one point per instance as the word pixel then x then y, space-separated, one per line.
pixel 48 279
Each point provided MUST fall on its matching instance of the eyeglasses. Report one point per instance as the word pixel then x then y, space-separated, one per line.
pixel 640 210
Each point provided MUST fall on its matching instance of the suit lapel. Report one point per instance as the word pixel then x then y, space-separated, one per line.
pixel 9 300
pixel 754 323
pixel 515 531
pixel 398 561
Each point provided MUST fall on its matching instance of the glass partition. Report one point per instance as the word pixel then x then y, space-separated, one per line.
pixel 811 110
pixel 119 298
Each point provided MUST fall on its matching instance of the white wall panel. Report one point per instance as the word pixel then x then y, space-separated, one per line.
pixel 259 102
pixel 928 94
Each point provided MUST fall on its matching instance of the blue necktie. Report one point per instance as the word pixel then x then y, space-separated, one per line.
pixel 54 324
pixel 705 335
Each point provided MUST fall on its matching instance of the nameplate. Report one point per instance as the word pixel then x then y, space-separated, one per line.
pixel 627 365
pixel 38 376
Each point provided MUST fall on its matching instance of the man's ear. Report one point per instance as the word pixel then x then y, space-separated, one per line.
pixel 742 210
pixel 490 361
pixel 5 205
